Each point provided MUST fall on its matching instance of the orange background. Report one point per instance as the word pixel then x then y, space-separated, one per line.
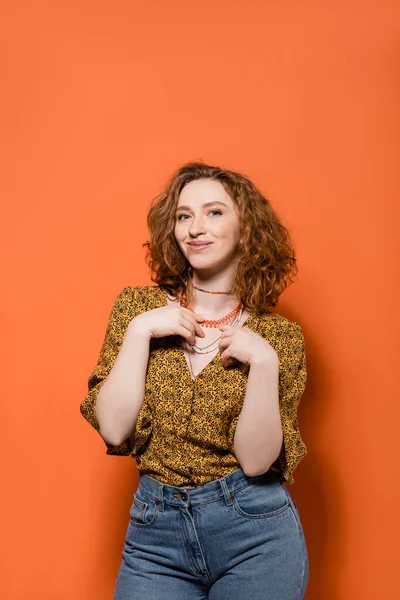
pixel 101 101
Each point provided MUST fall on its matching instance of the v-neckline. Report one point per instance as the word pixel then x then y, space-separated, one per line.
pixel 180 350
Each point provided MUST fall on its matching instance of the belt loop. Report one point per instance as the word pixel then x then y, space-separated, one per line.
pixel 227 494
pixel 160 499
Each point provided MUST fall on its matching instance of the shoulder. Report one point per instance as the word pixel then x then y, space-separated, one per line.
pixel 276 322
pixel 139 298
pixel 282 333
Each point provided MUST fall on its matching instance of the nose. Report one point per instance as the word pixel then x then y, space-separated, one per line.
pixel 196 226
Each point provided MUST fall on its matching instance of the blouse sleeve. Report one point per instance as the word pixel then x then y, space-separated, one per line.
pixel 292 382
pixel 289 345
pixel 126 306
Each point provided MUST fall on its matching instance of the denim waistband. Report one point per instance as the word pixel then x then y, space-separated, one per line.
pixel 202 494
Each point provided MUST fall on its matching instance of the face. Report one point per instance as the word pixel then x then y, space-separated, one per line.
pixel 207 214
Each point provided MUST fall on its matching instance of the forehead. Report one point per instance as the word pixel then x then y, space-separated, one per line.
pixel 201 191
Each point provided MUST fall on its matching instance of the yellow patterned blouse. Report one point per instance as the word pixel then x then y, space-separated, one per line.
pixel 185 428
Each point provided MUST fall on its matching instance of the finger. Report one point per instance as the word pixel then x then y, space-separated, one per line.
pixel 225 357
pixel 186 333
pixel 190 313
pixel 193 326
pixel 198 328
pixel 226 335
pixel 225 340
pixel 194 318
pixel 199 317
pixel 223 344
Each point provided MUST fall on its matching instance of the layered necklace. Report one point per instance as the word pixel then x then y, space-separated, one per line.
pixel 231 318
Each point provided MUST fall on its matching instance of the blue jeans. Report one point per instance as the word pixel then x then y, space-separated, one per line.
pixel 233 538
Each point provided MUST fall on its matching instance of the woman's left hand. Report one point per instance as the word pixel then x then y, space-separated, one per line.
pixel 244 345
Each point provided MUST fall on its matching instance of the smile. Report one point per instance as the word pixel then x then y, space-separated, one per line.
pixel 198 247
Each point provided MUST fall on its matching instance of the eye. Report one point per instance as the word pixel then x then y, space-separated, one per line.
pixel 215 210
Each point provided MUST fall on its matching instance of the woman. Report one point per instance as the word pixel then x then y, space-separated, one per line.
pixel 200 382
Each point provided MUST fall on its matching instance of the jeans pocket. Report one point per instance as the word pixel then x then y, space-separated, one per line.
pixel 260 500
pixel 143 511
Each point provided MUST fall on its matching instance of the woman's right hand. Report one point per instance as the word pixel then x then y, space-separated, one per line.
pixel 170 320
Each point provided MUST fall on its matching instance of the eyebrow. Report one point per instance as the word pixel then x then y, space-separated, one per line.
pixel 205 204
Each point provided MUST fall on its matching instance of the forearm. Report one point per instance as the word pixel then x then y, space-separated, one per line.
pixel 121 396
pixel 258 437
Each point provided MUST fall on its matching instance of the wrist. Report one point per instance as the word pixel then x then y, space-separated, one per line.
pixel 138 328
pixel 262 361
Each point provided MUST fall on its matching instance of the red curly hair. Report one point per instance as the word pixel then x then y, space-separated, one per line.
pixel 266 261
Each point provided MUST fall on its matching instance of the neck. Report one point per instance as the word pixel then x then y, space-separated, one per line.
pixel 212 305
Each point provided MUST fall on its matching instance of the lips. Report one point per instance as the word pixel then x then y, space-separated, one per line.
pixel 197 244
pixel 199 247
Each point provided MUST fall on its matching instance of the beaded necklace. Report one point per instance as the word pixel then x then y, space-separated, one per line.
pixel 216 322
pixel 231 318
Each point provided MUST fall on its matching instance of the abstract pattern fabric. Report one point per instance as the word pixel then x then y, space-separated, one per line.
pixel 185 428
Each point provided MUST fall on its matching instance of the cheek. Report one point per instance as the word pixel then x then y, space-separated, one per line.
pixel 228 232
pixel 177 232
pixel 180 237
